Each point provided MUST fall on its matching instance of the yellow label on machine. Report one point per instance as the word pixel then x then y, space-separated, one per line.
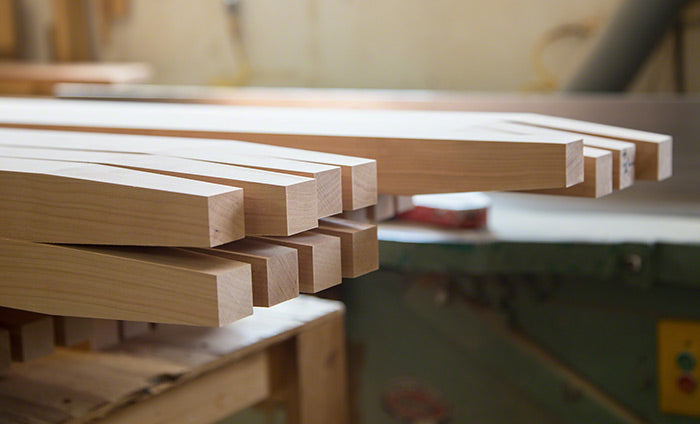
pixel 679 370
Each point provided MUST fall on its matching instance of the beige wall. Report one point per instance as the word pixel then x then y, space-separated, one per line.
pixel 441 44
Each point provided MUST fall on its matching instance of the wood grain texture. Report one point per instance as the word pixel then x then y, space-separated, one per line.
pixel 359 247
pixel 275 269
pixel 78 386
pixel 653 156
pixel 319 259
pixel 62 202
pixel 4 349
pixel 358 175
pixel 598 176
pixel 322 374
pixel 415 151
pixel 216 395
pixel 623 152
pixel 328 178
pixel 173 286
pixel 70 331
pixel 31 334
pixel 275 203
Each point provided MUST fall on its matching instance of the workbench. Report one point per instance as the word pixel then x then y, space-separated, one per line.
pixel 292 355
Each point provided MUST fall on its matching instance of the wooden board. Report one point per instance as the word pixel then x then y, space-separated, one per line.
pixel 623 152
pixel 415 151
pixel 99 282
pixel 8 29
pixel 31 334
pixel 328 178
pixel 131 329
pixel 105 333
pixel 598 176
pixel 103 72
pixel 276 204
pixel 359 247
pixel 4 349
pixel 62 202
pixel 319 259
pixel 653 156
pixel 189 367
pixel 383 210
pixel 358 175
pixel 70 331
pixel 275 269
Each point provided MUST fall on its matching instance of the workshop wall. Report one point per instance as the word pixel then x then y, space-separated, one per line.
pixel 495 45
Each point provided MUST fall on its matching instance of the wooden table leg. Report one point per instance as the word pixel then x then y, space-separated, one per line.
pixel 322 373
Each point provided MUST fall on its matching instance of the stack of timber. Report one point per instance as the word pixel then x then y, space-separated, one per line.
pixel 218 209
pixel 98 239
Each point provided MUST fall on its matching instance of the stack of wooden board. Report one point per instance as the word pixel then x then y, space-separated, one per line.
pixel 160 213
pixel 93 234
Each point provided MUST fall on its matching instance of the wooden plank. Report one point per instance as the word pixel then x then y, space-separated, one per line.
pixel 358 175
pixel 206 399
pixel 8 29
pixel 416 152
pixel 598 176
pixel 4 349
pixel 31 334
pixel 359 247
pixel 328 178
pixel 405 203
pixel 105 334
pixel 62 202
pixel 52 73
pixel 653 157
pixel 384 209
pixel 319 259
pixel 275 269
pixel 173 286
pixel 73 37
pixel 70 331
pixel 623 152
pixel 78 386
pixel 131 329
pixel 275 204
pixel 322 374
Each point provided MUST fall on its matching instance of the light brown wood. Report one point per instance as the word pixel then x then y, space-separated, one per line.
pixel 72 35
pixel 328 178
pixel 416 152
pixel 216 396
pixel 653 156
pixel 8 29
pixel 383 210
pixel 70 331
pixel 102 72
pixel 275 270
pixel 105 333
pixel 598 176
pixel 358 175
pixel 79 386
pixel 404 203
pixel 4 349
pixel 319 259
pixel 275 204
pixel 623 152
pixel 172 285
pixel 31 334
pixel 62 202
pixel 359 247
pixel 322 374
pixel 131 329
